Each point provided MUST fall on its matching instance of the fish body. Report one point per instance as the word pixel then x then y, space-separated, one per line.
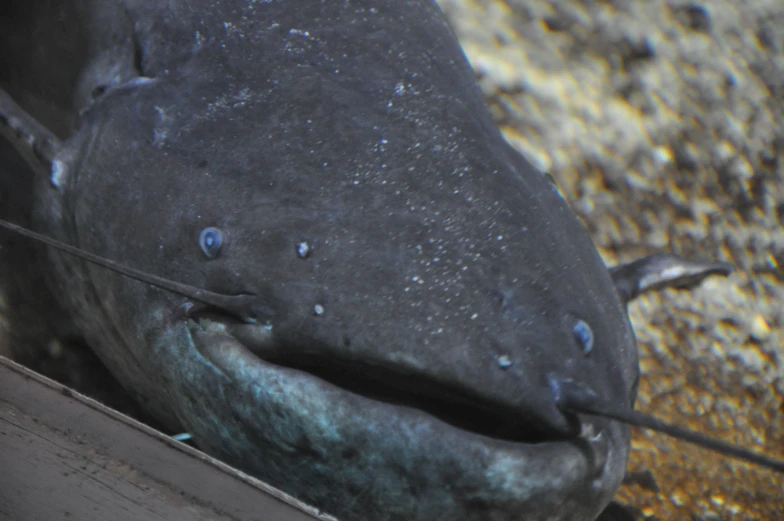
pixel 417 291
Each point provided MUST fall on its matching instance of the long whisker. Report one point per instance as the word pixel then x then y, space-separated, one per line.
pixel 573 397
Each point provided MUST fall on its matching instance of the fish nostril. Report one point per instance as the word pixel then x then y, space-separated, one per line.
pixel 584 336
pixel 304 250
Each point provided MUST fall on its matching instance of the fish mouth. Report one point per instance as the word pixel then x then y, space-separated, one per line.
pixel 450 405
pixel 395 386
pixel 341 422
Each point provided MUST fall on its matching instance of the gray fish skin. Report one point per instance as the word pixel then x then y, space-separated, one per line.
pixel 441 262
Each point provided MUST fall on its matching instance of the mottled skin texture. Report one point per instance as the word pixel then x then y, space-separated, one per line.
pixel 444 262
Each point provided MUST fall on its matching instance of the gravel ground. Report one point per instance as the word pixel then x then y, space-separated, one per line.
pixel 663 122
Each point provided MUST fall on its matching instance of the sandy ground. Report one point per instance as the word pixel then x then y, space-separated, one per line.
pixel 663 122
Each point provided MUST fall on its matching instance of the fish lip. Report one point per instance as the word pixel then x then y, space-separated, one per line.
pixel 589 467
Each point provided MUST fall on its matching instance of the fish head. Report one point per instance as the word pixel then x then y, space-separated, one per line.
pixel 419 290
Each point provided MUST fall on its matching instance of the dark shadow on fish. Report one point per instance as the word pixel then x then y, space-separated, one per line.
pixel 653 272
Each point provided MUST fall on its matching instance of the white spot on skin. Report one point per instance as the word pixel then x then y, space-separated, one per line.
pixel 504 362
pixel 232 29
pixel 318 310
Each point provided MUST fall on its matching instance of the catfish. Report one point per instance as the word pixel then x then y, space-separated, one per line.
pixel 335 273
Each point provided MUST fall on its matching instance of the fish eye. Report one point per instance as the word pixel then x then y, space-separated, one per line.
pixel 211 242
pixel 584 335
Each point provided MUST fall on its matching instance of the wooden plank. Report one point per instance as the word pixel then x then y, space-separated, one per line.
pixel 65 456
